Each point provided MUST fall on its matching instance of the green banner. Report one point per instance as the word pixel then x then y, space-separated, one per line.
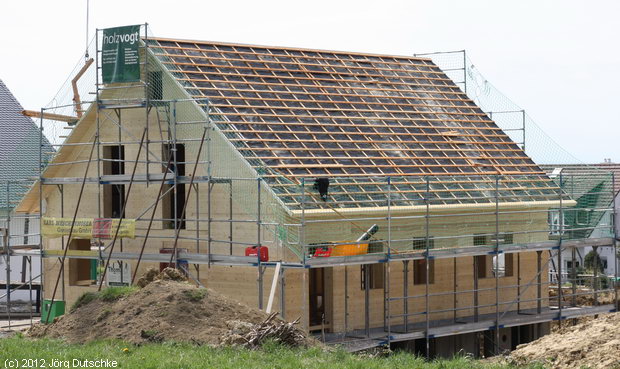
pixel 120 55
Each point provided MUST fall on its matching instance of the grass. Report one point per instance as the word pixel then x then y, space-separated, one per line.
pixel 115 293
pixel 84 299
pixel 196 294
pixel 107 294
pixel 173 355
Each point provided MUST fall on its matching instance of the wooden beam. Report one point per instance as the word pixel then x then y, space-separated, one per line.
pixel 50 116
pixel 76 93
pixel 399 158
pixel 452 174
pixel 274 284
pixel 374 149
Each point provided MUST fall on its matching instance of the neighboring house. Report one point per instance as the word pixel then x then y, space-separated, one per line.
pixel 304 151
pixel 19 167
pixel 596 188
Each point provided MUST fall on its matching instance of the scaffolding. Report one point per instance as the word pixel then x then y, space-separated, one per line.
pixel 20 287
pixel 205 204
pixel 509 116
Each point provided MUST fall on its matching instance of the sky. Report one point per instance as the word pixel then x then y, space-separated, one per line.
pixel 559 60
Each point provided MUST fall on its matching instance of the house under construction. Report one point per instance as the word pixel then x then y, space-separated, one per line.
pixel 366 194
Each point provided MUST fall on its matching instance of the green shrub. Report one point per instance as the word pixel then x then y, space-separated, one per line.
pixel 593 260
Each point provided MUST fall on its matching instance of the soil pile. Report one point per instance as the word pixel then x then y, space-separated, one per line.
pixel 592 344
pixel 165 309
pixel 585 296
pixel 168 274
pixel 587 299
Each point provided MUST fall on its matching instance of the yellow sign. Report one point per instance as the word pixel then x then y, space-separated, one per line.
pixel 88 228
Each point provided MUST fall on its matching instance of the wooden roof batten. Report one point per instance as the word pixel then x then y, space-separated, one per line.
pixel 301 113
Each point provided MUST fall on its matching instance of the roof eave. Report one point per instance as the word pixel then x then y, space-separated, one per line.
pixel 439 208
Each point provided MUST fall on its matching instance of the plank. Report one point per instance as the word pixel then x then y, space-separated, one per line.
pixel 50 116
pixel 358 133
pixel 246 139
pixel 274 285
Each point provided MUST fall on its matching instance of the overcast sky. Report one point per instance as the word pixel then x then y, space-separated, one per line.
pixel 559 60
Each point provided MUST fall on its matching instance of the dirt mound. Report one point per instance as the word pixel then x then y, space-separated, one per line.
pixel 164 310
pixel 592 344
pixel 152 274
pixel 585 296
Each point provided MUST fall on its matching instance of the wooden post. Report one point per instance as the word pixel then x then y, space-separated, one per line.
pixel 595 278
pixel 456 287
pixel 539 282
pixel 518 282
pixel 475 274
pixel 367 300
pixel 574 276
pixel 406 294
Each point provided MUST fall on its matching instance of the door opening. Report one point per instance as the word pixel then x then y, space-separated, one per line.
pixel 319 294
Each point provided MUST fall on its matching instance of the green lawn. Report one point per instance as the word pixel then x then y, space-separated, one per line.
pixel 187 356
